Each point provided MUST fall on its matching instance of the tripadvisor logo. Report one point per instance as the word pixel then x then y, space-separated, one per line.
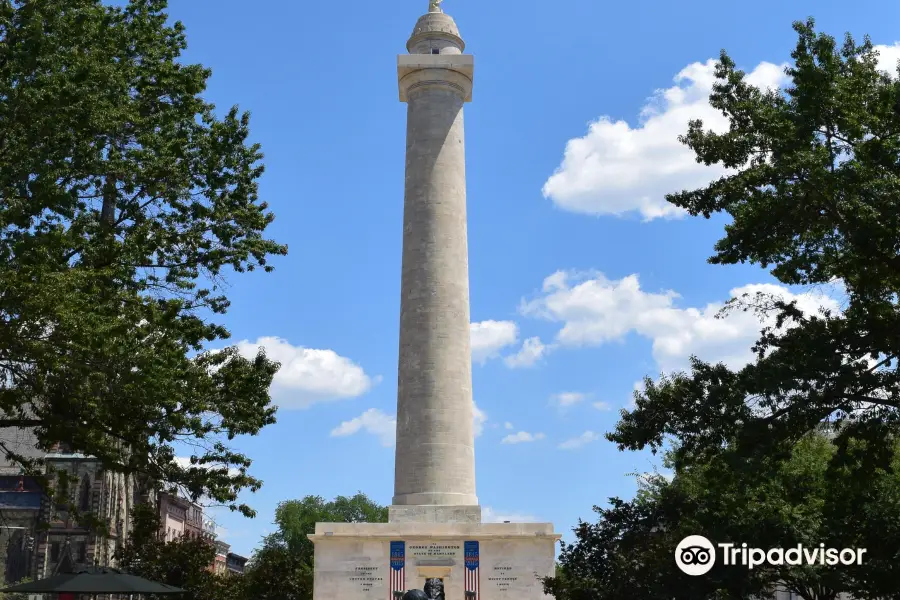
pixel 696 555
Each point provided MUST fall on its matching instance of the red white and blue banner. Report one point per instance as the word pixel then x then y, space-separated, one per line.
pixel 473 584
pixel 398 569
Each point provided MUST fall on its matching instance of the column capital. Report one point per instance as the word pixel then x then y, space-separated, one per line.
pixel 453 70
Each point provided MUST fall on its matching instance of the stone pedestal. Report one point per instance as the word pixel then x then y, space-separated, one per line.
pixel 434 514
pixel 369 561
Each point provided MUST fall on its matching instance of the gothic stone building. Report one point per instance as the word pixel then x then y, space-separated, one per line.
pixel 27 551
pixel 110 496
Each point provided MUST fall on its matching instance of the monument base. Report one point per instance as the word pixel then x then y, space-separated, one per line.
pixel 434 514
pixel 457 561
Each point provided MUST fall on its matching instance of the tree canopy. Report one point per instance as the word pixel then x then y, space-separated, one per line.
pixel 812 193
pixel 125 200
pixel 801 445
pixel 183 562
pixel 803 499
pixel 282 568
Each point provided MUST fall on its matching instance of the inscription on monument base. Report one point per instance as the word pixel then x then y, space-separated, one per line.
pixel 423 552
pixel 503 578
pixel 367 579
pixel 356 568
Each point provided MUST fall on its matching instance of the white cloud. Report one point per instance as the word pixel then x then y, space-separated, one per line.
pixel 566 399
pixel 208 505
pixel 616 169
pixel 489 337
pixel 577 442
pixel 479 418
pixel 372 421
pixel 307 375
pixel 185 463
pixel 507 425
pixel 522 437
pixel 638 387
pixel 888 57
pixel 531 352
pixel 384 426
pixel 557 281
pixel 650 478
pixel 604 406
pixel 489 515
pixel 594 310
pixel 210 514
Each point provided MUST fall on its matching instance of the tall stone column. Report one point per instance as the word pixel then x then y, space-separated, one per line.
pixel 435 453
pixel 434 504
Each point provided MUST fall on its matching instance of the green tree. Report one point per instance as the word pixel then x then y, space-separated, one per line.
pixel 124 202
pixel 278 574
pixel 13 595
pixel 184 562
pixel 283 566
pixel 805 499
pixel 812 195
pixel 628 553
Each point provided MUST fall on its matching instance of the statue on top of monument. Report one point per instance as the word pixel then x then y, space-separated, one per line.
pixel 434 5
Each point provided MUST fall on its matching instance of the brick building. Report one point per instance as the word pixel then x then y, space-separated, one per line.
pixel 181 517
pixel 220 565
pixel 193 523
pixel 235 563
pixel 173 512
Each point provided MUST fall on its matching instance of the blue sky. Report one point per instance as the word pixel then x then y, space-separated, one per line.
pixel 581 279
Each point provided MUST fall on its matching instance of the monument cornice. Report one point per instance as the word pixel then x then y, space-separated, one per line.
pixel 430 532
pixel 454 70
pixel 459 537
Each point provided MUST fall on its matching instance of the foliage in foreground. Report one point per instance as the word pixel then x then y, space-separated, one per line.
pixel 124 202
pixel 813 197
pixel 13 595
pixel 282 569
pixel 806 499
pixel 183 562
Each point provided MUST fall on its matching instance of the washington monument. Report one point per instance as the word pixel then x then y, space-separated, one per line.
pixel 435 456
pixel 434 539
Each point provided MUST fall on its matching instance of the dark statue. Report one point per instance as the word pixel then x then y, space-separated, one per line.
pixel 434 589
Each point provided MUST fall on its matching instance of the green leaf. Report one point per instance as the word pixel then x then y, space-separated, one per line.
pixel 125 202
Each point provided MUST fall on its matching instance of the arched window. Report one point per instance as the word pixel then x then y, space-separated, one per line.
pixel 104 503
pixel 16 563
pixel 84 497
pixel 119 501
